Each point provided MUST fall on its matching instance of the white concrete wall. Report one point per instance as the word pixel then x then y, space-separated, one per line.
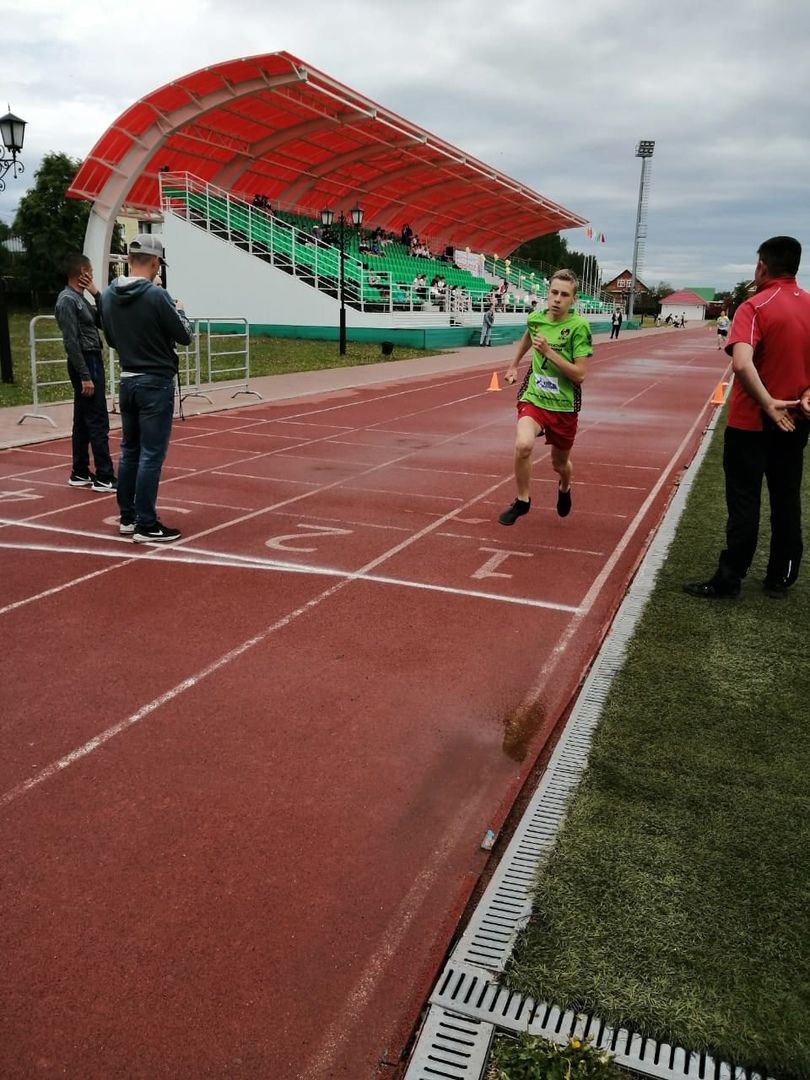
pixel 213 277
pixel 692 314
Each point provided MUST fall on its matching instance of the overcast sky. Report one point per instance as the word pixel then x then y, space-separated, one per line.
pixel 556 96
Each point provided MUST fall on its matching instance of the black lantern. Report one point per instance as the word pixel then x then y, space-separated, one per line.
pixel 327 217
pixel 12 131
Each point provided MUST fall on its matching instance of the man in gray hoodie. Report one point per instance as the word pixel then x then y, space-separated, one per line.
pixel 143 323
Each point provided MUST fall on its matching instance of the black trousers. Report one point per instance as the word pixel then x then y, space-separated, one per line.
pixel 748 458
pixel 614 331
pixel 91 422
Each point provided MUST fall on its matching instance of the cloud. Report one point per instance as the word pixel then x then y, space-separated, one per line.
pixel 557 98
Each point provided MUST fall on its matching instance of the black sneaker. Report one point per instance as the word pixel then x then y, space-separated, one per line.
pixel 711 590
pixel 563 502
pixel 126 528
pixel 103 486
pixel 518 508
pixel 80 480
pixel 155 534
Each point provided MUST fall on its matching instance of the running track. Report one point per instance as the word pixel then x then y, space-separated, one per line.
pixel 245 779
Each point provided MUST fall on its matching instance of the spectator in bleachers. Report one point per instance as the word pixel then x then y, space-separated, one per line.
pixel 503 289
pixel 406 236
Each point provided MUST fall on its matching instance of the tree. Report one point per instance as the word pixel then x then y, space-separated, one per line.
pixel 50 224
pixel 742 290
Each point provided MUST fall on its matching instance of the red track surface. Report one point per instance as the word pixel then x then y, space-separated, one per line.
pixel 243 804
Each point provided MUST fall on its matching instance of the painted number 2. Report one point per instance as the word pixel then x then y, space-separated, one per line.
pixel 283 542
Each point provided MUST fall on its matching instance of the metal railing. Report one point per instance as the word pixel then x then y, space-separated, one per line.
pixel 305 255
pixel 223 364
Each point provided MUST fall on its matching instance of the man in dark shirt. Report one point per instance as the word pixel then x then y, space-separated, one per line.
pixel 79 322
pixel 143 323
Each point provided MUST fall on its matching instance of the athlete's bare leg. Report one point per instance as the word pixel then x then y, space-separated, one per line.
pixel 561 464
pixel 527 432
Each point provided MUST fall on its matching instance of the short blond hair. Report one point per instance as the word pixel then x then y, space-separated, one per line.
pixel 565 275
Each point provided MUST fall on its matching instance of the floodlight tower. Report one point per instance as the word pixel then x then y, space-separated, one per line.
pixel 644 150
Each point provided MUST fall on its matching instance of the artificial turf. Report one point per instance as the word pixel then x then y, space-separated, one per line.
pixel 676 902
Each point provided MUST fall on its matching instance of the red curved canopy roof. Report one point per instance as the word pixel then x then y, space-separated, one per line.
pixel 276 126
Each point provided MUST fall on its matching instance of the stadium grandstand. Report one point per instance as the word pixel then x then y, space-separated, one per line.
pixel 235 164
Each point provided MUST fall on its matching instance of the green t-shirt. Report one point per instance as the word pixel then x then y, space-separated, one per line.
pixel 545 386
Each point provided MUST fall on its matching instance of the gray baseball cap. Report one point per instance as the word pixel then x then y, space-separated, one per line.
pixel 147 244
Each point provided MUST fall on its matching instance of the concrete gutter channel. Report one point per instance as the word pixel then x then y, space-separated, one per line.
pixel 469 1004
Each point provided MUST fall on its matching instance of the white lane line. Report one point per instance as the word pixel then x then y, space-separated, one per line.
pixel 244 517
pixel 523 543
pixel 405 494
pixel 146 710
pixel 187 684
pixel 557 653
pixel 203 557
pixel 257 476
pixel 57 588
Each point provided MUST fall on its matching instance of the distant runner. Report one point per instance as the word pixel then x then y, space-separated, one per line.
pixel 723 323
pixel 550 397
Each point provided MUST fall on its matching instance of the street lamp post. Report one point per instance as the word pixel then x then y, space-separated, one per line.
pixel 644 150
pixel 12 130
pixel 327 217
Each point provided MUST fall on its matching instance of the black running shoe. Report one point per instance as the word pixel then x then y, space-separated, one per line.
pixel 84 480
pixel 563 502
pixel 155 534
pixel 126 527
pixel 518 508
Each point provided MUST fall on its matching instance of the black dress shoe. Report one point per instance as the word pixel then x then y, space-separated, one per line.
pixel 711 590
pixel 776 588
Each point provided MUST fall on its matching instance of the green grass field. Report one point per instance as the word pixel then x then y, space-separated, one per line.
pixel 677 900
pixel 268 356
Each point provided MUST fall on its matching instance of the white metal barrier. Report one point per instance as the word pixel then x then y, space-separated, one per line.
pixel 222 368
pixel 49 370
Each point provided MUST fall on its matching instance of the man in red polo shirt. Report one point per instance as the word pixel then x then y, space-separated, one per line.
pixel 766 431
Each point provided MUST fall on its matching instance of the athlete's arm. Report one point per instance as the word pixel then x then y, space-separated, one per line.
pixel 574 370
pixel 510 375
pixel 742 361
pixel 804 401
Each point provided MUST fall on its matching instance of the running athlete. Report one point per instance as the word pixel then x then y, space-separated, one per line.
pixel 550 397
pixel 723 323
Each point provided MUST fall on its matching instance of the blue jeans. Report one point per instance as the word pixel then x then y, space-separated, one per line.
pixel 146 403
pixel 91 424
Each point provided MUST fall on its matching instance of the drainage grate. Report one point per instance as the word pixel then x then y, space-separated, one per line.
pixel 450 1047
pixel 473 994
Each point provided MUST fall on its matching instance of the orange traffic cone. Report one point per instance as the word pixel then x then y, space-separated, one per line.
pixel 717 397
pixel 493 382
